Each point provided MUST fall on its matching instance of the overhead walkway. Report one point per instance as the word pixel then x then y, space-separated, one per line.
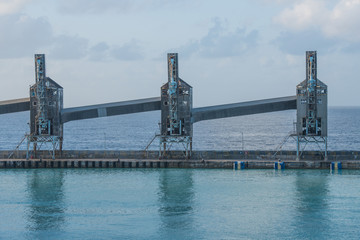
pixel 244 108
pixel 153 104
pixel 15 105
pixel 110 109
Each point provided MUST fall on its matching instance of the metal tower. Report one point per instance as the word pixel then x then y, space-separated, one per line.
pixel 46 103
pixel 311 109
pixel 176 107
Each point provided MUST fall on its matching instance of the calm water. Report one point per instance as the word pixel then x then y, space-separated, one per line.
pixel 178 204
pixel 134 131
pixel 181 203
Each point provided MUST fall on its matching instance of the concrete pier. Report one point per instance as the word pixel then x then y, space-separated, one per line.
pixel 153 163
pixel 200 159
pixel 178 155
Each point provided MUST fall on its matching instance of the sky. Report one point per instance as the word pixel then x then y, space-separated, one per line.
pixel 230 51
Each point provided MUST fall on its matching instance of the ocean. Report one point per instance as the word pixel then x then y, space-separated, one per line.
pixel 135 131
pixel 178 204
pixel 181 203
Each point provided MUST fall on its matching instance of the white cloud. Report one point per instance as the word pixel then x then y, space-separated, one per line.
pixel 344 21
pixel 302 15
pixel 340 20
pixel 11 6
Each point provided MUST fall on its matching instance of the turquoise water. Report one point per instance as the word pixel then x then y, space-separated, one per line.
pixel 178 204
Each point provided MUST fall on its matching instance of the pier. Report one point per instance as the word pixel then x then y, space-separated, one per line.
pixel 200 159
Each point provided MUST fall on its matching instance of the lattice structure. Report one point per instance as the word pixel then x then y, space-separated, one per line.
pixel 311 109
pixel 176 107
pixel 46 103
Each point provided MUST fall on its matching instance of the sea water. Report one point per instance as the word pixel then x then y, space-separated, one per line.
pixel 181 203
pixel 178 204
pixel 135 131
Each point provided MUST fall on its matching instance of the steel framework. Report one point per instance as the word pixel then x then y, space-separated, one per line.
pixel 45 109
pixel 311 109
pixel 176 107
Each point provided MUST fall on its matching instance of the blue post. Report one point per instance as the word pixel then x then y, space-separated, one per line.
pixel 279 165
pixel 336 166
pixel 242 164
pixel 238 165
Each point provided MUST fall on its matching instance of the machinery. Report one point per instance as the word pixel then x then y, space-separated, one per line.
pixel 46 103
pixel 176 107
pixel 311 125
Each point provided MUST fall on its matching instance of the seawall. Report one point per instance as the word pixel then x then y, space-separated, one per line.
pixel 146 163
pixel 196 155
pixel 200 159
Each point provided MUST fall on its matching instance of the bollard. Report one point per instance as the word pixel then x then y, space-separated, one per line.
pixel 238 165
pixel 279 165
pixel 335 166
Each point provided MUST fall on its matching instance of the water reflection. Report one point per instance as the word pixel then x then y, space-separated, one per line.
pixel 176 196
pixel 312 217
pixel 45 192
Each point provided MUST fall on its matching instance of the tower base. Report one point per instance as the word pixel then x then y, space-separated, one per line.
pixel 166 142
pixel 40 141
pixel 303 141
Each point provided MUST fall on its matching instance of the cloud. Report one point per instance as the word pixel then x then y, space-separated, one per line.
pixel 11 6
pixel 94 6
pixel 297 43
pixel 306 14
pixel 69 47
pixel 344 21
pixel 129 51
pixel 340 20
pixel 219 42
pixel 99 52
pixel 116 6
pixel 322 25
pixel 352 48
pixel 22 35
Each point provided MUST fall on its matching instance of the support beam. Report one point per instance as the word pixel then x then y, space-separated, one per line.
pixel 244 108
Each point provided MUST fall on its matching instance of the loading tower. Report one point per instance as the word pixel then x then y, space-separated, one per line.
pixel 176 107
pixel 311 125
pixel 46 103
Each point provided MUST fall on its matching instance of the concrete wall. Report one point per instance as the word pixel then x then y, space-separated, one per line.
pixel 196 155
pixel 218 164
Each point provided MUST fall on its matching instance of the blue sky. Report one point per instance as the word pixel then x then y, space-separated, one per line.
pixel 229 51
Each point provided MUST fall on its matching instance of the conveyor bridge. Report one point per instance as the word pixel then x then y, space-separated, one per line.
pixel 153 104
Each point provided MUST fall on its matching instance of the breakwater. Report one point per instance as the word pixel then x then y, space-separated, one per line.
pixel 196 155
pixel 200 159
pixel 146 163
